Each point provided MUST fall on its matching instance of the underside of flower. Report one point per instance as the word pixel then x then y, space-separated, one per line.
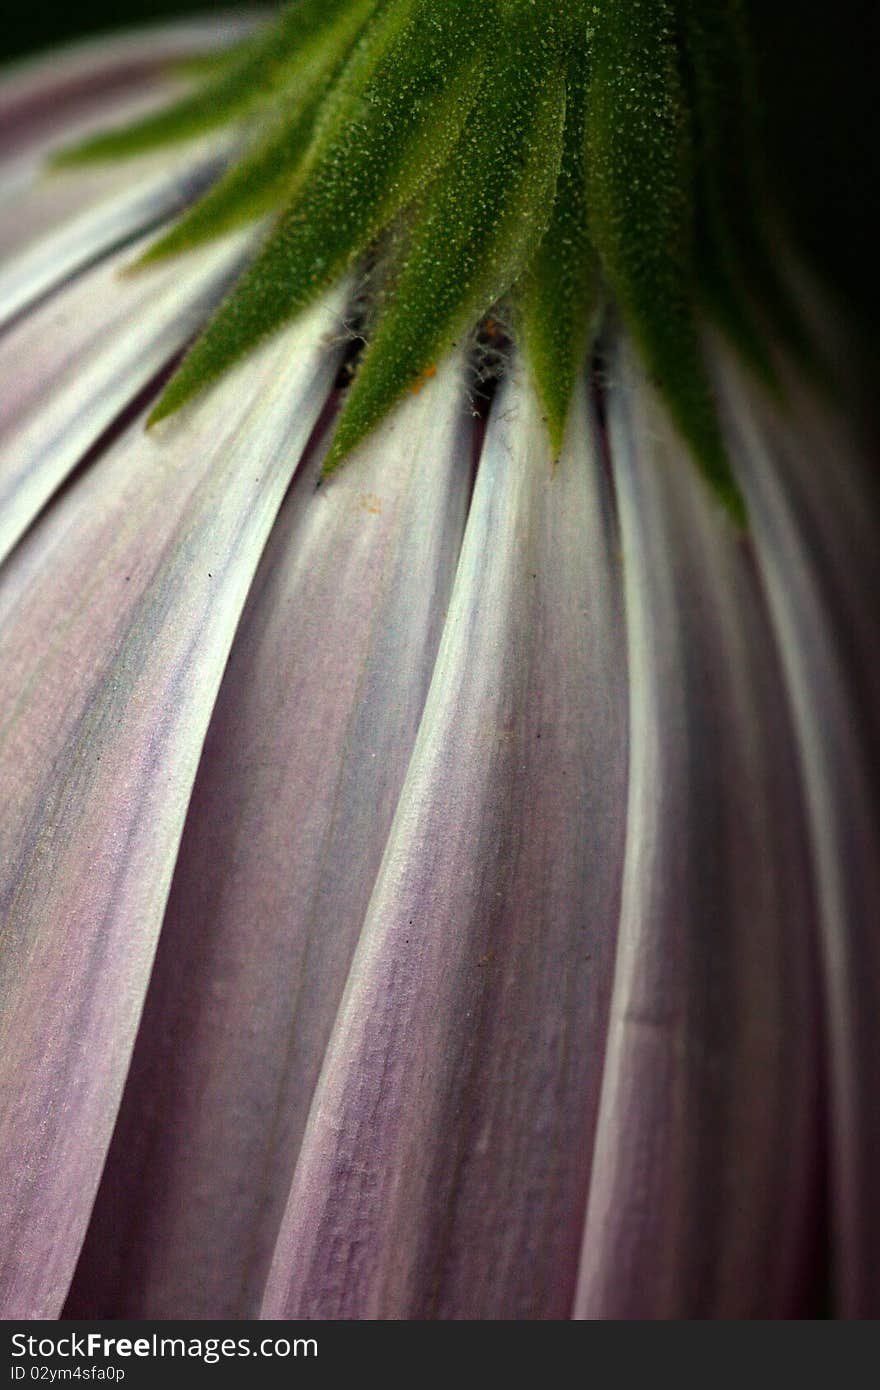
pixel 451 892
pixel 559 157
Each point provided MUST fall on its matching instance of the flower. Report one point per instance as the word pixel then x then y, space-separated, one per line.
pixel 447 888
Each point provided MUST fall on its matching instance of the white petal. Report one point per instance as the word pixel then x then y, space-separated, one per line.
pixel 73 364
pixel 300 776
pixel 143 195
pixel 704 1198
pixel 34 197
pixel 444 1166
pixel 86 69
pixel 810 496
pixel 116 618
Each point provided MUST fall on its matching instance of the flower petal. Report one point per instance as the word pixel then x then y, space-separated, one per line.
pixel 703 1200
pixel 640 206
pixel 445 1163
pixel 116 618
pixel 41 96
pixel 809 492
pixel 80 359
pixel 397 110
pixel 302 36
pixel 301 772
pixel 470 233
pixel 79 93
pixel 33 198
pixel 141 197
pixel 558 297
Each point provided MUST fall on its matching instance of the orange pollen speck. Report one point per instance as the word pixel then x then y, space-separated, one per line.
pixel 425 376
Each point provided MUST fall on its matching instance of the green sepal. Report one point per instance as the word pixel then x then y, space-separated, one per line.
pixel 641 215
pixel 735 269
pixel 723 295
pixel 306 37
pixel 722 278
pixel 557 300
pixel 266 176
pixel 255 184
pixel 472 233
pixel 209 62
pixel 397 132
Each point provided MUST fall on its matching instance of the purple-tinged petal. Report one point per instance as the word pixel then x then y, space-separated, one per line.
pixel 117 613
pixel 445 1163
pixel 704 1194
pixel 143 195
pixel 809 492
pixel 41 96
pixel 73 364
pixel 35 199
pixel 49 103
pixel 303 764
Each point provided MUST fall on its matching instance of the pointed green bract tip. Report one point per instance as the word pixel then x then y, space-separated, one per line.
pixel 713 461
pixel 735 505
pixel 470 236
pixel 641 208
pixel 168 404
pixel 556 421
pixel 336 455
pixel 406 96
pixel 145 261
pixel 307 38
pixel 567 156
pixel 558 297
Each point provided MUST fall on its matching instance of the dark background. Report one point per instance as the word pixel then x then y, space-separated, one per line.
pixel 26 27
pixel 821 70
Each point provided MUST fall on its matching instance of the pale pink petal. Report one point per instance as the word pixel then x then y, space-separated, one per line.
pixel 47 103
pixel 73 364
pixel 444 1167
pixel 140 195
pixel 36 198
pixel 810 494
pixel 116 618
pixel 39 95
pixel 705 1198
pixel 302 768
